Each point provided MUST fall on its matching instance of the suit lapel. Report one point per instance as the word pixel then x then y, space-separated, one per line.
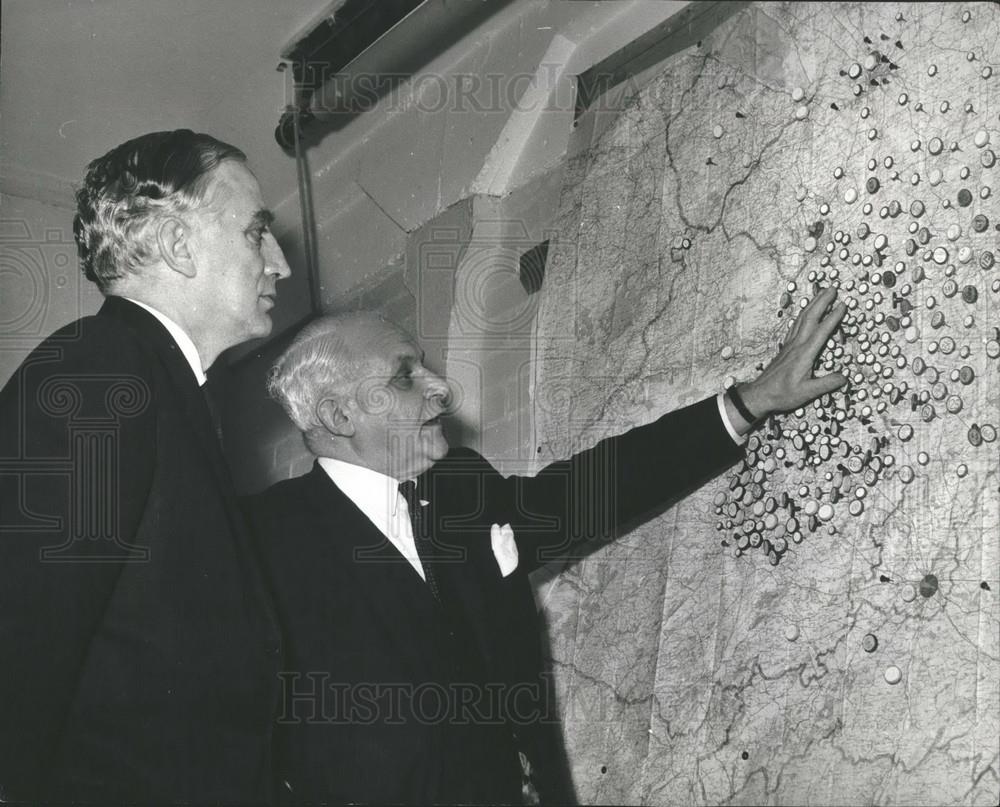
pixel 471 586
pixel 191 403
pixel 375 568
pixel 475 598
pixel 183 384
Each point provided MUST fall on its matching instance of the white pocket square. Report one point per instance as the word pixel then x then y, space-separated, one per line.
pixel 504 548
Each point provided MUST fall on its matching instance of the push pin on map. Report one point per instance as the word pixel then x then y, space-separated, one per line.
pixel 893 675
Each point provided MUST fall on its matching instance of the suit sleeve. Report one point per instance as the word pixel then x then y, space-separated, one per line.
pixel 77 447
pixel 572 507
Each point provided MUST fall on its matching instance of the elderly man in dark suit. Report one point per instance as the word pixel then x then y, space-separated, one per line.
pixel 400 568
pixel 138 647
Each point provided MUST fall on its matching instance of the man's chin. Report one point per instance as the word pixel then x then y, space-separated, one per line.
pixel 429 446
pixel 262 326
pixel 435 443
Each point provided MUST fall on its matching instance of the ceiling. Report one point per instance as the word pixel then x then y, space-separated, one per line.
pixel 77 77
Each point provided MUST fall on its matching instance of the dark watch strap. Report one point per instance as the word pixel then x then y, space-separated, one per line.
pixel 741 406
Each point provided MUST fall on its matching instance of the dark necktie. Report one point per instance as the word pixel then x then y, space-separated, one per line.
pixel 421 538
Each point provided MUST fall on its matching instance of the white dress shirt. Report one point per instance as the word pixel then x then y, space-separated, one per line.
pixel 378 497
pixel 184 342
pixel 737 438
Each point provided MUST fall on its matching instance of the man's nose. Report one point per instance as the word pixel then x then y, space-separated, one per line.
pixel 438 392
pixel 274 258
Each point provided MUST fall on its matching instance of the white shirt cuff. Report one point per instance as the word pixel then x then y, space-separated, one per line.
pixel 737 437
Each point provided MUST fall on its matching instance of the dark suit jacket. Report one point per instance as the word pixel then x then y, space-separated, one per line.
pixel 138 648
pixel 372 656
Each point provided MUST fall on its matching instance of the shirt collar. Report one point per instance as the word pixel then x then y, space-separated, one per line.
pixel 378 497
pixel 184 342
pixel 362 484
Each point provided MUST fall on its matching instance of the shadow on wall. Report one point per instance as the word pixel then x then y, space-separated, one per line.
pixel 260 442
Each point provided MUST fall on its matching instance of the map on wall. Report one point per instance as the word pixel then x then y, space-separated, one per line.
pixel 819 625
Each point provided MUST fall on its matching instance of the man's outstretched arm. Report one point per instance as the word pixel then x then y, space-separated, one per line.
pixel 570 508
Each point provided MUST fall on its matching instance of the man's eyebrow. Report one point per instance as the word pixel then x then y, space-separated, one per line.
pixel 261 220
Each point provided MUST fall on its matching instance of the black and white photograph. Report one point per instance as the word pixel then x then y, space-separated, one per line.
pixel 499 402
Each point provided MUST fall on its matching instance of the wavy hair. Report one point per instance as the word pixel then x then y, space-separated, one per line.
pixel 135 185
pixel 320 361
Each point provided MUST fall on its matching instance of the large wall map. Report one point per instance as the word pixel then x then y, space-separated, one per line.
pixel 820 625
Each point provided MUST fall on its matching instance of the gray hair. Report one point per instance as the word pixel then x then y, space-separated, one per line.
pixel 321 361
pixel 134 186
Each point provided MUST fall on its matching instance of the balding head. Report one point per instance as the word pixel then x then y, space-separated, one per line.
pixel 356 386
pixel 327 357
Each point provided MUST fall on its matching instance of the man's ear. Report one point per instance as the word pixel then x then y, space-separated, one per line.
pixel 173 242
pixel 335 418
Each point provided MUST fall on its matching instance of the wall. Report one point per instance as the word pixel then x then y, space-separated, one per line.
pixel 79 78
pixel 481 118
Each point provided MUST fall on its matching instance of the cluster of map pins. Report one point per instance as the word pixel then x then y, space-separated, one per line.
pixel 923 234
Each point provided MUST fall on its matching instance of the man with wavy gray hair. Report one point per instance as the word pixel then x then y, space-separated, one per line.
pixel 400 567
pixel 138 647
